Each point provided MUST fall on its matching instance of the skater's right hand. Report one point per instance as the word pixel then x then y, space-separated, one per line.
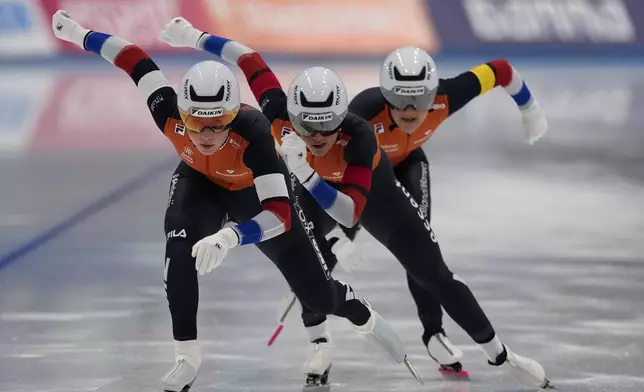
pixel 346 251
pixel 210 251
pixel 293 149
pixel 68 29
pixel 535 124
pixel 180 33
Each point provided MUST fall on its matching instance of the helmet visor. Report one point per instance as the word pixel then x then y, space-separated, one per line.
pixel 308 124
pixel 217 119
pixel 418 97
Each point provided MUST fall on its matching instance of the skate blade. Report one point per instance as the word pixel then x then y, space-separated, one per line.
pixel 547 385
pixel 413 371
pixel 458 374
pixel 317 388
pixel 319 383
pixel 184 389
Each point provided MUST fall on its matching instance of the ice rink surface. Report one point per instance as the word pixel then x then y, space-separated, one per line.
pixel 549 238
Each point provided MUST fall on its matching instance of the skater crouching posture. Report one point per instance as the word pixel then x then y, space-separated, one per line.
pixel 229 168
pixel 405 110
pixel 347 178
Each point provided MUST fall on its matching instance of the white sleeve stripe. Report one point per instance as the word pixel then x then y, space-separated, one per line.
pixel 270 185
pixel 271 225
pixel 343 210
pixel 112 47
pixel 233 50
pixel 515 84
pixel 151 82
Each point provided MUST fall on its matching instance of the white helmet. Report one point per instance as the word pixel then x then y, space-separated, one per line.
pixel 409 78
pixel 209 96
pixel 317 101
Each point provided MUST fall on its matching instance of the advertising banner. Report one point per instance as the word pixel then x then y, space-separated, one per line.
pixel 138 21
pixel 24 29
pixel 96 112
pixel 322 26
pixel 344 27
pixel 540 26
pixel 278 26
pixel 23 98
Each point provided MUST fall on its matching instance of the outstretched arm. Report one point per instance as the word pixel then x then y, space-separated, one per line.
pixel 262 81
pixel 161 98
pixel 483 78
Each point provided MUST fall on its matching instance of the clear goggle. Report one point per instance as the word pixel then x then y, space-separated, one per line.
pixel 420 97
pixel 216 120
pixel 308 124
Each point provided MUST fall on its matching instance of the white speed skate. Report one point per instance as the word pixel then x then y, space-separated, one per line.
pixel 379 333
pixel 318 367
pixel 180 377
pixel 446 355
pixel 524 369
pixel 184 372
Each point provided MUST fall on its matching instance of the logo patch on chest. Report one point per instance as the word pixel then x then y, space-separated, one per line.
pixel 187 154
pixel 389 147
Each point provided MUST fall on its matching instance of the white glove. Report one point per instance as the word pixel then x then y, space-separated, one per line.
pixel 210 251
pixel 345 251
pixel 68 29
pixel 180 33
pixel 535 124
pixel 293 149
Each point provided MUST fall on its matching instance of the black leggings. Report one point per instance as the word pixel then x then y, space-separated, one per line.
pixel 413 174
pixel 197 208
pixel 396 220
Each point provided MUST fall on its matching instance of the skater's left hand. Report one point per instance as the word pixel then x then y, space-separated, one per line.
pixel 179 33
pixel 346 251
pixel 210 251
pixel 293 149
pixel 68 29
pixel 535 124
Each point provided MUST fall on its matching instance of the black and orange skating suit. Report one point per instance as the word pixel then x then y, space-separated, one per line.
pixel 357 169
pixel 245 181
pixel 411 165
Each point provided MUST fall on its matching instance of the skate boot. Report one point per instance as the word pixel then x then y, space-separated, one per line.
pixel 446 355
pixel 318 367
pixel 524 369
pixel 184 372
pixel 379 333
